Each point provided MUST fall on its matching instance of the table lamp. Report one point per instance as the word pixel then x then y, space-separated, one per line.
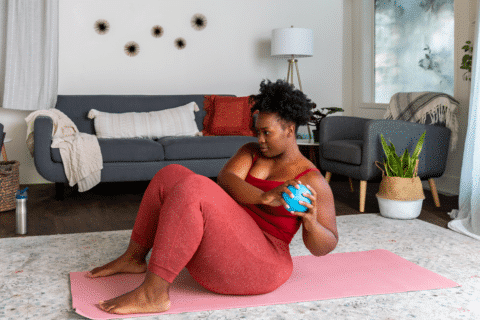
pixel 292 43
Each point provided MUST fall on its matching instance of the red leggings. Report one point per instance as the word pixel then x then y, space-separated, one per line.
pixel 190 221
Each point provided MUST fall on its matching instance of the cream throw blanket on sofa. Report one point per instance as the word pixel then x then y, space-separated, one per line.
pixel 415 106
pixel 80 152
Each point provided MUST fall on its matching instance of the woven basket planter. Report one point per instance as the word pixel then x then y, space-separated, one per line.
pixel 400 198
pixel 9 184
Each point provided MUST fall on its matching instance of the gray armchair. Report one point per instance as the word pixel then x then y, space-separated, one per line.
pixel 349 146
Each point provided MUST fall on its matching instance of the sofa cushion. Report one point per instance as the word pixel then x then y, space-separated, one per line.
pixel 227 116
pixel 178 148
pixel 124 150
pixel 179 121
pixel 346 151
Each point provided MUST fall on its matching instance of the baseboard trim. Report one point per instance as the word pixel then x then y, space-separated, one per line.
pixel 448 185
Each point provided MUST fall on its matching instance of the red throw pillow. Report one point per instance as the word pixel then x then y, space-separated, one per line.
pixel 227 116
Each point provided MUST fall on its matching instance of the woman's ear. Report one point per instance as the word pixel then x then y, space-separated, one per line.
pixel 291 130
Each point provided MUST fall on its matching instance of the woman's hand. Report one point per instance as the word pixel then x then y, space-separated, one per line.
pixel 274 197
pixel 310 216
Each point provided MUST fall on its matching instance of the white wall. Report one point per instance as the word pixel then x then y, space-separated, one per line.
pixel 230 56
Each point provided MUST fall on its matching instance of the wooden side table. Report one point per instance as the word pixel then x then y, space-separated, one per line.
pixel 312 148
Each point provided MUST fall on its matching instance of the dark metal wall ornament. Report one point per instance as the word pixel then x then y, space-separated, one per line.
pixel 180 43
pixel 102 26
pixel 157 31
pixel 132 48
pixel 199 21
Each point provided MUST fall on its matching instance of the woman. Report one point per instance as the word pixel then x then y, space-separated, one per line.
pixel 233 236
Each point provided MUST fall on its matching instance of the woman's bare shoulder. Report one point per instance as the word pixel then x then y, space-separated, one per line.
pixel 306 164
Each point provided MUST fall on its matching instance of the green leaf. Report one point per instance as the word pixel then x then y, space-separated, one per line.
pixel 419 146
pixel 405 161
pixel 411 168
pixel 386 149
pixel 395 164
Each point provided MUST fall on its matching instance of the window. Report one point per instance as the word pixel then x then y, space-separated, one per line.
pixel 413 47
pixel 399 46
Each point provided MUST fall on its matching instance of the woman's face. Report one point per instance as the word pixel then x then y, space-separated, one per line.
pixel 272 133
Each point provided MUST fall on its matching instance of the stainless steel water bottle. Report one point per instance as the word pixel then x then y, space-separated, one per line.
pixel 21 211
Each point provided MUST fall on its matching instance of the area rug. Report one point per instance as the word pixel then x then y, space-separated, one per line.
pixel 35 274
pixel 337 275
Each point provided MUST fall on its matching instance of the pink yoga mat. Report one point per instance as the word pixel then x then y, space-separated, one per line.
pixel 337 275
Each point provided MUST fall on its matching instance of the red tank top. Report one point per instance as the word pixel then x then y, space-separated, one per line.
pixel 283 225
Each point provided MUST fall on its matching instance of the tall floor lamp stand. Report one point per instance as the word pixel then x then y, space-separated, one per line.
pixel 293 63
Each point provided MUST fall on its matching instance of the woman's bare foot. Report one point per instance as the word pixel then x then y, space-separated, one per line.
pixel 132 261
pixel 122 264
pixel 150 297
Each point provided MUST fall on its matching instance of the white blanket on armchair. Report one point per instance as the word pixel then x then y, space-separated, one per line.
pixel 80 152
pixel 415 106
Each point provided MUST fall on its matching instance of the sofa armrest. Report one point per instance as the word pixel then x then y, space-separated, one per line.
pixel 342 128
pixel 42 140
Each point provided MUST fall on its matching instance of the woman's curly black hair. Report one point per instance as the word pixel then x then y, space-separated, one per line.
pixel 282 98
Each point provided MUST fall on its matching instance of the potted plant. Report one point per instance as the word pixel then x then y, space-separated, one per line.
pixel 317 117
pixel 400 195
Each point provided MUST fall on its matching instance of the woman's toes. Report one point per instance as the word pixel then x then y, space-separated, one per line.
pixel 97 272
pixel 106 306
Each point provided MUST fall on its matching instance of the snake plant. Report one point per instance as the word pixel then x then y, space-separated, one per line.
pixel 403 166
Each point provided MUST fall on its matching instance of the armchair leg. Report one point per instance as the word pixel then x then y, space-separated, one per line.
pixel 363 194
pixel 328 176
pixel 433 188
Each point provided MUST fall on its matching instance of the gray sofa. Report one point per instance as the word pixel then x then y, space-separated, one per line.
pixel 133 159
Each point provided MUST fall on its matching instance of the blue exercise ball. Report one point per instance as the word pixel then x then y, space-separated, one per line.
pixel 293 202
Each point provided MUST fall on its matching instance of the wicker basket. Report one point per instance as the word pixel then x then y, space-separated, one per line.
pixel 9 184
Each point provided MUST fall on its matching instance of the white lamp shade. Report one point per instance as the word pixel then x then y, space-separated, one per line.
pixel 288 42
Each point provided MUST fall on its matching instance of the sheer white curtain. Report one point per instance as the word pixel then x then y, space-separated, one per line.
pixel 31 71
pixel 467 218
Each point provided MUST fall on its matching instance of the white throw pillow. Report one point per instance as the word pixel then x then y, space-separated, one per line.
pixel 179 121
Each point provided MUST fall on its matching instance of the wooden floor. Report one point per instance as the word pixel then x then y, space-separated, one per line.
pixel 113 206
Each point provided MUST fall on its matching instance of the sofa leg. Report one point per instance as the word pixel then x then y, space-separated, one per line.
pixel 363 194
pixel 328 176
pixel 433 188
pixel 351 184
pixel 59 191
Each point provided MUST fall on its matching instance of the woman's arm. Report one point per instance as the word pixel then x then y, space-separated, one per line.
pixel 233 174
pixel 232 179
pixel 319 232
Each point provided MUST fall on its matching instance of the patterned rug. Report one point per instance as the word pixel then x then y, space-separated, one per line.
pixel 34 274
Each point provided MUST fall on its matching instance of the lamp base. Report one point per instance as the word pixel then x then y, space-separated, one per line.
pixel 291 63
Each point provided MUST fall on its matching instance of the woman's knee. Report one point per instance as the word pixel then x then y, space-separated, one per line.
pixel 173 168
pixel 173 172
pixel 196 183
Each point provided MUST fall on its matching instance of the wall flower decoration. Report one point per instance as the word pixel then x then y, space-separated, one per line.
pixel 102 26
pixel 180 43
pixel 157 31
pixel 132 48
pixel 199 22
